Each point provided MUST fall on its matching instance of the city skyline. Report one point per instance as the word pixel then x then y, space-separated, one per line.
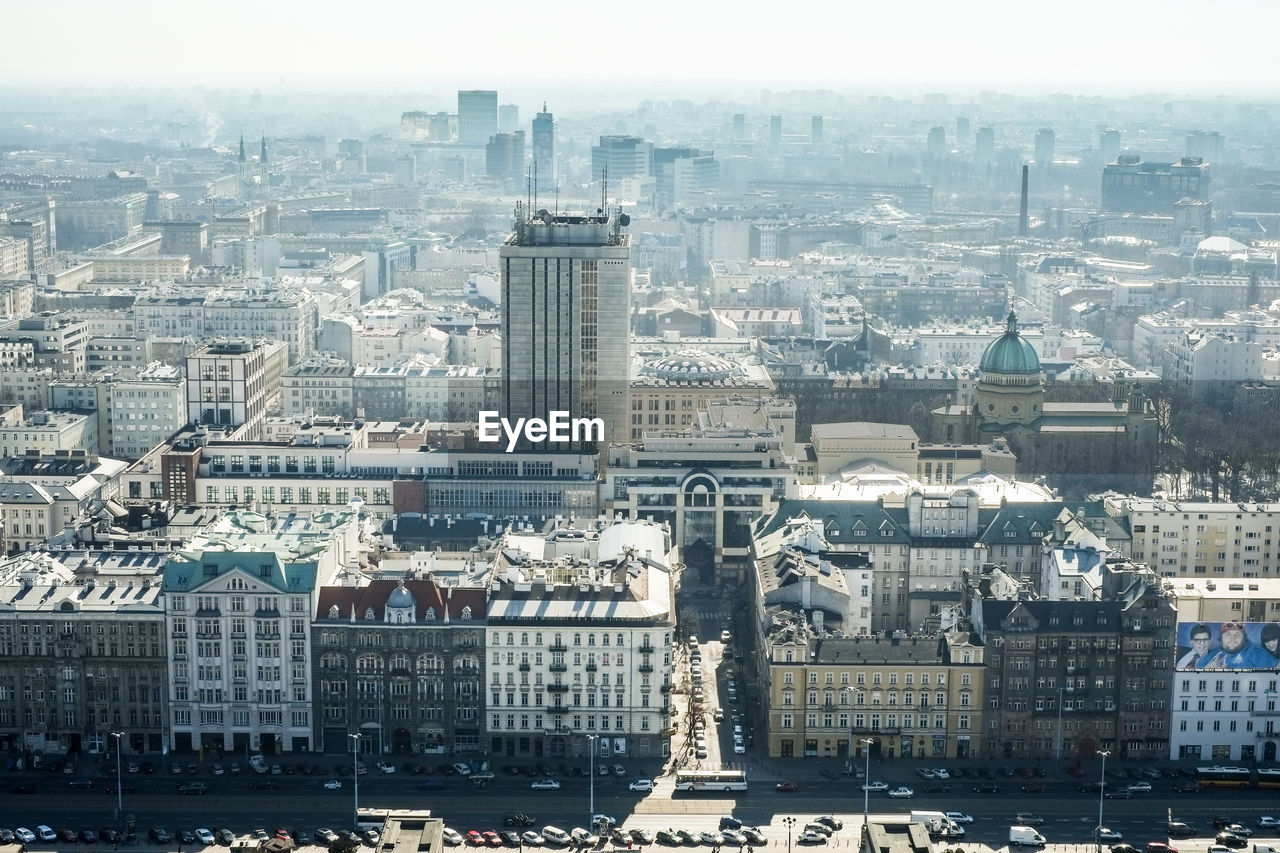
pixel 1101 49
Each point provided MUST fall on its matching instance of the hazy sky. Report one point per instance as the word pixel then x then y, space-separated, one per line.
pixel 1079 46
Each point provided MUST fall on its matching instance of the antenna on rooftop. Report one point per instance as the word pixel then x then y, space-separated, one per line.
pixel 604 189
pixel 535 184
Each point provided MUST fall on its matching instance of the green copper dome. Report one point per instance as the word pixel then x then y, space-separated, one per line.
pixel 1010 353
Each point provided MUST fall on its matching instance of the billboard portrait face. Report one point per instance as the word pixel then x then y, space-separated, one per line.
pixel 1228 645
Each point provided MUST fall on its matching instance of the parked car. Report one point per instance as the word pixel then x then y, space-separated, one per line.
pixel 1230 839
pixel 533 838
pixel 24 835
pixel 754 836
pixel 811 837
pixel 619 770
pixel 205 837
pixel 835 823
pixel 642 785
pixel 158 835
pixel 450 836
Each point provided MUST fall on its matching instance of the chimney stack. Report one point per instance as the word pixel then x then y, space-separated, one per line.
pixel 1022 211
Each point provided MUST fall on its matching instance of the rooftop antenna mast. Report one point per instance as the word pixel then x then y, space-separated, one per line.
pixel 557 196
pixel 535 184
pixel 604 188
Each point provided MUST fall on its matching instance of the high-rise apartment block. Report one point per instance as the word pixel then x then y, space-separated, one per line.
pixel 566 300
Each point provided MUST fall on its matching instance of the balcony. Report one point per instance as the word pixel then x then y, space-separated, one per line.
pixel 591 667
pixel 666 688
pixel 646 667
pixel 524 666
pixel 559 648
pixel 559 667
pixel 556 709
pixel 646 649
pixel 557 688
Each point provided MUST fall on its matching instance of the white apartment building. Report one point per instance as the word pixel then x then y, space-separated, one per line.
pixel 1189 539
pixel 238 607
pixel 233 383
pixel 45 433
pixel 580 627
pixel 1206 365
pixel 136 413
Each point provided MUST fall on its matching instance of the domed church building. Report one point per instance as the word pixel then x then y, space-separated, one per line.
pixel 1079 447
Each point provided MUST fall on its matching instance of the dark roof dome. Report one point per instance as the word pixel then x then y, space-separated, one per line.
pixel 400 597
pixel 1010 353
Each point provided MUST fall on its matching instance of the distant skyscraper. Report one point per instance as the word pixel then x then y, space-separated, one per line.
pixel 962 130
pixel 739 125
pixel 937 142
pixel 775 131
pixel 566 305
pixel 1044 148
pixel 544 148
pixel 1109 145
pixel 504 156
pixel 815 130
pixel 477 115
pixel 625 157
pixel 984 145
pixel 508 118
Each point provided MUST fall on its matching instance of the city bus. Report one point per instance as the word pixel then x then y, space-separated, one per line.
pixel 1218 776
pixel 703 781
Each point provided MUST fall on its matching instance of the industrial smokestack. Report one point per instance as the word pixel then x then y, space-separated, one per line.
pixel 1023 225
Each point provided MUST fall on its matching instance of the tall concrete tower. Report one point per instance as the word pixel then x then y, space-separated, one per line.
pixel 566 306
pixel 544 150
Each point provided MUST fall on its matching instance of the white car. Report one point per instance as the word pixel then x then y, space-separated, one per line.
pixel 1105 834
pixel 545 785
pixel 811 837
pixel 644 785
pixel 583 837
pixel 959 817
pixel 941 773
pixel 603 819
pixel 45 833
pixel 25 835
pixel 875 786
pixel 205 837
pixel 532 838
pixel 462 769
pixel 1140 787
pixel 386 767
pixel 1269 822
pixel 332 785
pixel 902 792
pixel 739 748
pixel 452 837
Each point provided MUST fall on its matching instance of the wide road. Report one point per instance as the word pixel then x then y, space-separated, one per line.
pixel 301 802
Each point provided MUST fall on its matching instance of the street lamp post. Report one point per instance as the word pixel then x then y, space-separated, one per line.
pixel 1102 786
pixel 789 822
pixel 119 736
pixel 591 783
pixel 866 786
pixel 355 777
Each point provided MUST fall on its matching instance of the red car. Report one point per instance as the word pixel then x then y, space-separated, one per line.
pixel 1025 772
pixel 492 838
pixel 1035 788
pixel 474 838
pixel 787 786
pixel 67 835
pixel 1074 770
